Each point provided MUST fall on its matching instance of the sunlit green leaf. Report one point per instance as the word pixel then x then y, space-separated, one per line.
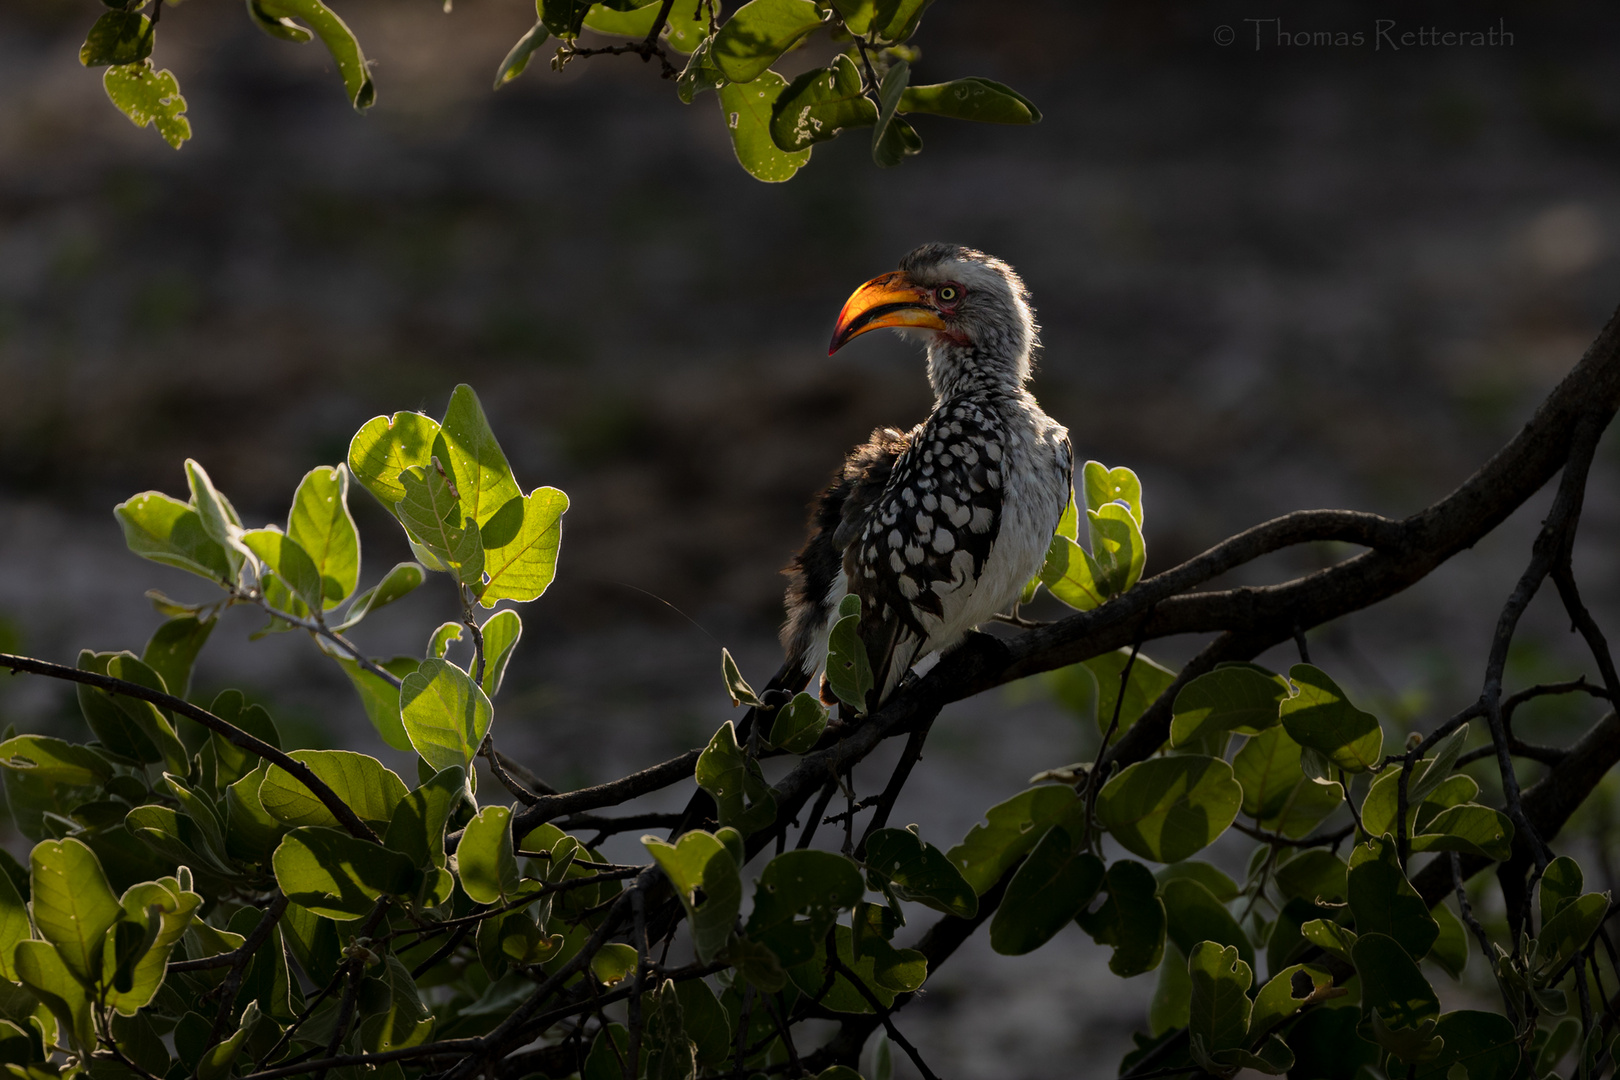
pixel 974 99
pixel 798 897
pixel 417 827
pixel 42 969
pixel 172 650
pixel 118 37
pixel 285 558
pixel 337 875
pixel 73 905
pixel 758 32
pixel 517 58
pixel 799 724
pixel 385 447
pixel 55 760
pixel 445 714
pixel 1320 717
pixel 399 582
pixel 442 535
pixel 169 531
pixel 705 877
pixel 819 104
pixel 321 524
pixel 521 541
pixel 842 997
pixel 370 789
pixel 338 39
pixel 1237 699
pixel 747 109
pixel 745 800
pixel 489 869
pixel 1166 809
pixel 1471 829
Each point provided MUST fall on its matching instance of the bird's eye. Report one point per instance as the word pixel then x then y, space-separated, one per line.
pixel 947 293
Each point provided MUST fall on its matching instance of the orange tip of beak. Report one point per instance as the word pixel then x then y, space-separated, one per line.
pixel 889 300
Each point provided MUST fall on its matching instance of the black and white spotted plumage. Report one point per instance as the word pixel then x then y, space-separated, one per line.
pixel 938 528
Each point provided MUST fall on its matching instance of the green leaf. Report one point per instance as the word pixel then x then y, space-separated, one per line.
pixel 1321 718
pixel 287 559
pixel 1056 882
pixel 153 737
pixel 1171 1006
pixel 399 582
pixel 700 74
pixel 849 669
pixel 1276 790
pixel 338 39
pixel 975 99
pixel 55 760
pixel 321 524
pixel 1284 994
pixel 445 714
pixel 1566 933
pixel 282 29
pixel 706 1021
pixel 1220 886
pixel 517 58
pixel 799 724
pixel 1070 574
pixel 758 32
pixel 1010 829
pixel 842 997
pixel 1391 983
pixel 613 963
pixel 501 633
pixel 252 834
pixel 1313 874
pixel 918 871
pixel 14 925
pixel 756 963
pixel 706 879
pixel 1483 1043
pixel 42 969
pixel 1561 884
pixel 684 29
pixel 441 535
pixel 1131 919
pixel 489 869
pixel 118 37
pixel 417 827
pixel 896 20
pixel 73 905
pixel 1237 699
pixel 819 104
pixel 169 531
pixel 893 139
pixel 746 802
pixel 1193 915
pixel 371 789
pixel 521 540
pixel 1166 809
pixel 1219 1014
pixel 178 837
pixel 164 911
pixel 900 970
pixel 442 638
pixel 1470 828
pixel 385 447
pixel 747 109
pixel 1450 949
pixel 219 519
pixel 608 1050
pixel 173 649
pixel 797 899
pixel 337 875
pixel 736 686
pixel 1384 902
pixel 1118 550
pixel 562 17
pixel 379 697
pixel 1148 680
pixel 469 450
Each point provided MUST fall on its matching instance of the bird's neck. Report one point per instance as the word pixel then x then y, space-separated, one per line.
pixel 956 369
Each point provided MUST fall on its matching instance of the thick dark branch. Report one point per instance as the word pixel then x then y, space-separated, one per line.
pixel 233 734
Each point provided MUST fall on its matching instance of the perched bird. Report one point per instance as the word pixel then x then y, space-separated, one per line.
pixel 938 528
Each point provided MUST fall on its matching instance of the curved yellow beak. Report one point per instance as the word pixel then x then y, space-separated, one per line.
pixel 888 300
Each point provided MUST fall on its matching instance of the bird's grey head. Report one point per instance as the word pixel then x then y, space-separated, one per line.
pixel 971 309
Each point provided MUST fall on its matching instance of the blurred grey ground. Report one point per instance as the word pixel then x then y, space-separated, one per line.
pixel 1270 279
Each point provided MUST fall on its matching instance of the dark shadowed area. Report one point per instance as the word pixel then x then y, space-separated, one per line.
pixel 1271 275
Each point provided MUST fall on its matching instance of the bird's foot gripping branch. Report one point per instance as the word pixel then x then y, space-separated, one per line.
pixel 203 900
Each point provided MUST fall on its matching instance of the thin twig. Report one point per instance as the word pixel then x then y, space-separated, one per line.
pixel 242 956
pixel 884 1014
pixel 891 791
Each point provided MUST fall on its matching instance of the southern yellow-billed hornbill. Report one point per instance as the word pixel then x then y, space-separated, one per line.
pixel 938 528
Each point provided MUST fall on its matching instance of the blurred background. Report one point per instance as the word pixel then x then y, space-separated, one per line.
pixel 1271 276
